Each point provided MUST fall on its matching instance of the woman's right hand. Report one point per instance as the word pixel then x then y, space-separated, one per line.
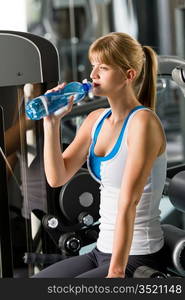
pixel 60 113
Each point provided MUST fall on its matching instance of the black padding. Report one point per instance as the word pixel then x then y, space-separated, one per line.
pixel 80 194
pixel 176 191
pixel 147 272
pixel 175 246
pixel 172 171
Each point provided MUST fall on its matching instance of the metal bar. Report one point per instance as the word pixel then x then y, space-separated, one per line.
pixel 5 230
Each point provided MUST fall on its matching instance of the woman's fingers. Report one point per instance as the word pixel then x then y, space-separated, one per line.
pixel 60 113
pixel 66 109
pixel 56 88
pixel 71 101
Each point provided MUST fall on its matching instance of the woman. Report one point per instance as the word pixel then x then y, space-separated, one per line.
pixel 124 146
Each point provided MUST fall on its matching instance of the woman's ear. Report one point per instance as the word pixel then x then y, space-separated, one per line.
pixel 131 74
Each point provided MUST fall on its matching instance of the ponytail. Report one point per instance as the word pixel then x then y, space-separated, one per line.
pixel 147 91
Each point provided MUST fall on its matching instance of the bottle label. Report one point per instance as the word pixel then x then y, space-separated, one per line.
pixel 44 102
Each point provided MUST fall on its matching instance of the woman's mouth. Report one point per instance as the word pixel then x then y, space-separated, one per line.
pixel 96 84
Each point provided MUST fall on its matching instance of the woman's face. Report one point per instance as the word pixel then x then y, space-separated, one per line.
pixel 106 79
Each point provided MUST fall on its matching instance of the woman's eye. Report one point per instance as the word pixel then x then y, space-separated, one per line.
pixel 99 67
pixel 103 68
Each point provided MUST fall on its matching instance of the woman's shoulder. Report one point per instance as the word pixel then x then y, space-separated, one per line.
pixel 148 126
pixel 91 119
pixel 147 122
pixel 95 114
pixel 146 117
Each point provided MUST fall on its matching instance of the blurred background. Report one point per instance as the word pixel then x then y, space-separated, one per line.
pixel 71 26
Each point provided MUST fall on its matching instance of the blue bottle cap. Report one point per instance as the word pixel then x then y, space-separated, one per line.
pixel 87 86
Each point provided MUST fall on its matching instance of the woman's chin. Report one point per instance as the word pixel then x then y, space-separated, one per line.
pixel 98 93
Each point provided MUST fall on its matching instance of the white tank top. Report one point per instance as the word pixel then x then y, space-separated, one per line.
pixel 148 235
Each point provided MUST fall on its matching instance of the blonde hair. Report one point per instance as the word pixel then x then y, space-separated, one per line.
pixel 123 51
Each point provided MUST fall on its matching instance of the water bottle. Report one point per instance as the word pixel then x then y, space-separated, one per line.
pixel 51 103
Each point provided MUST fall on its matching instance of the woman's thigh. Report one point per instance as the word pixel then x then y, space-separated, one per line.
pixel 67 268
pixel 99 272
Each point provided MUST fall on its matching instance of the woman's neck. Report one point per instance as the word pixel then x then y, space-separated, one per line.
pixel 121 105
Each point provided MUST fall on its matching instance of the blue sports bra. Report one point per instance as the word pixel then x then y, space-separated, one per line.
pixel 94 160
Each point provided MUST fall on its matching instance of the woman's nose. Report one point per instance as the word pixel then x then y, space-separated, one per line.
pixel 94 73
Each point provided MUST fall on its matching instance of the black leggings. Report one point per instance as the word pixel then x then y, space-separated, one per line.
pixel 96 263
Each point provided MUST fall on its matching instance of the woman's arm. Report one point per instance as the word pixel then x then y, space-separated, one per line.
pixel 60 167
pixel 144 145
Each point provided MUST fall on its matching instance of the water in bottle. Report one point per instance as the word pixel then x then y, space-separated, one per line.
pixel 50 103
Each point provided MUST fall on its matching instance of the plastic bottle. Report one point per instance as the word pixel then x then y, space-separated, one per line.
pixel 51 103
